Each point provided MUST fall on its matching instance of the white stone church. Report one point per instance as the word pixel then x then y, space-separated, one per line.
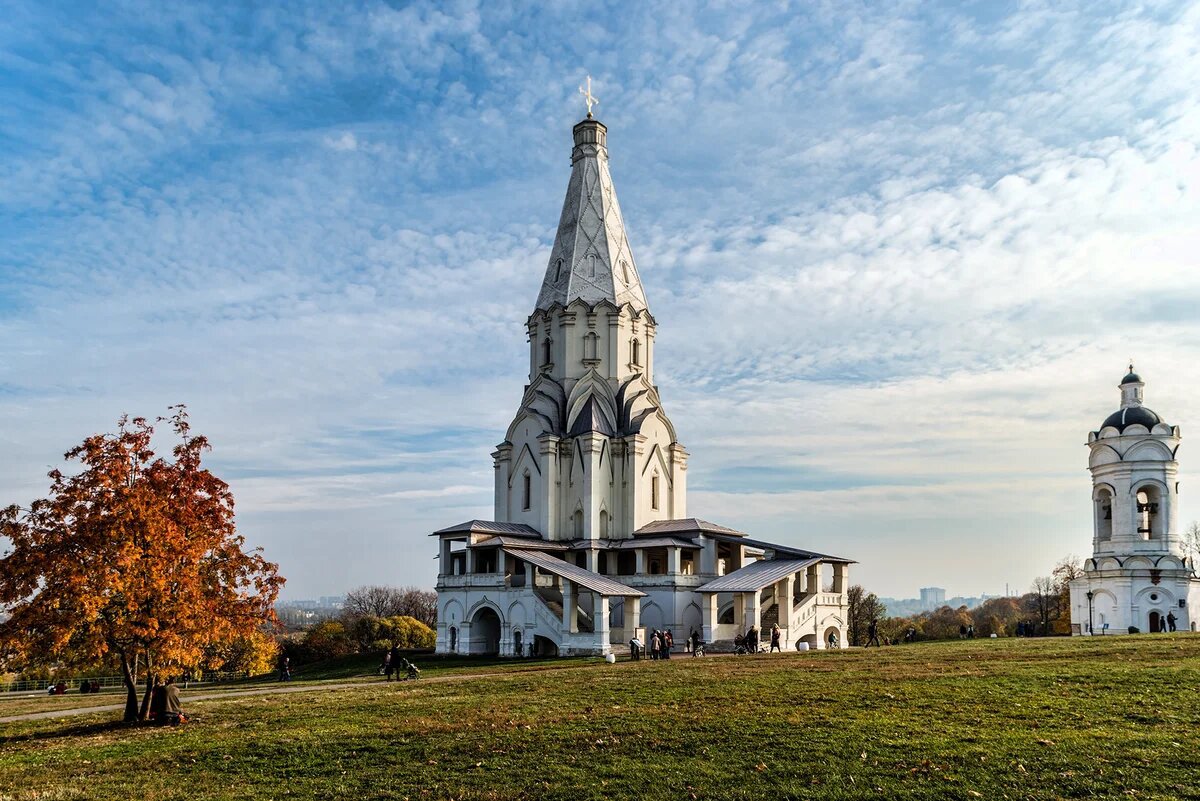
pixel 1138 575
pixel 591 543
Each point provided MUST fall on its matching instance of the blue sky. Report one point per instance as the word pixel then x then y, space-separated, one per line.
pixel 899 254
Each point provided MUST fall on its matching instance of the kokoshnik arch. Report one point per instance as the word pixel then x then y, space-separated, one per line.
pixel 591 544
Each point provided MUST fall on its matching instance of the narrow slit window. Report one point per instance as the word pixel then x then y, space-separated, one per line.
pixel 653 492
pixel 525 493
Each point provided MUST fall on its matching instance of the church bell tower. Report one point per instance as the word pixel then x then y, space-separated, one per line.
pixel 1138 576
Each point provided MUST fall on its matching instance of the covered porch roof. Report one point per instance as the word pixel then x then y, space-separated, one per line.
pixel 584 578
pixel 757 575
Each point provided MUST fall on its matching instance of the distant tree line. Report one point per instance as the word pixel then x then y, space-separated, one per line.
pixel 1043 611
pixel 374 618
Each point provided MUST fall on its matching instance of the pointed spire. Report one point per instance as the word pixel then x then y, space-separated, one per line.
pixel 591 259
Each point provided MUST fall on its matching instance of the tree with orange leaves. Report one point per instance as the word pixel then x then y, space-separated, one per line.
pixel 134 559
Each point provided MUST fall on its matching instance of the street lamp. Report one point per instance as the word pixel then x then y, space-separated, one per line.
pixel 1090 596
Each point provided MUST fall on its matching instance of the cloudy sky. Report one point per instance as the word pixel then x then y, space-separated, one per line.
pixel 900 254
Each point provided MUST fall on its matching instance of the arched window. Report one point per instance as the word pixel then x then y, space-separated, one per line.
pixel 453 639
pixel 592 258
pixel 546 351
pixel 590 341
pixel 517 644
pixel 625 271
pixel 1149 521
pixel 603 523
pixel 1104 515
pixel 557 270
pixel 635 352
pixel 578 523
pixel 525 495
pixel 654 491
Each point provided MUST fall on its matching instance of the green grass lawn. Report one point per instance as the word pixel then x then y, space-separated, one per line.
pixel 982 719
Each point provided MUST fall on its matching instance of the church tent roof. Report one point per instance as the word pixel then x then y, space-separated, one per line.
pixel 757 575
pixel 584 578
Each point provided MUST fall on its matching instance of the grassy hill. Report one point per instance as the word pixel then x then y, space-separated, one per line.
pixel 1037 719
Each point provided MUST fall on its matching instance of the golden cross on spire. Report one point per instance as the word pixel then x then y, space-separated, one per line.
pixel 588 97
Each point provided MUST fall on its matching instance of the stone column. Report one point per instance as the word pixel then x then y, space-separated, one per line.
pixel 633 615
pixel 673 559
pixel 600 606
pixel 841 577
pixel 593 560
pixel 595 489
pixel 444 557
pixel 708 611
pixel 502 462
pixel 678 460
pixel 547 484
pixel 470 560
pixel 753 612
pixel 569 621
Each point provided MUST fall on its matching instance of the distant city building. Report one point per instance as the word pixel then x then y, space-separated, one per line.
pixel 1138 575
pixel 932 597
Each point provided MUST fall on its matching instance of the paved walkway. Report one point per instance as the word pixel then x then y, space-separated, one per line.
pixel 225 694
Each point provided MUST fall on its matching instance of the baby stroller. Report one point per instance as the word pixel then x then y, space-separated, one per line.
pixel 741 644
pixel 411 672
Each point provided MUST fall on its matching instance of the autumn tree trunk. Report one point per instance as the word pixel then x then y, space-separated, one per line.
pixel 151 678
pixel 131 702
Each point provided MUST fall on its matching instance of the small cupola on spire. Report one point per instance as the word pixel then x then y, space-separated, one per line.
pixel 591 259
pixel 1131 389
pixel 1132 411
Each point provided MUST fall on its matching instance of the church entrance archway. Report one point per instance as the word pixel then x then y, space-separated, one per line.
pixel 1156 621
pixel 544 646
pixel 485 632
pixel 833 637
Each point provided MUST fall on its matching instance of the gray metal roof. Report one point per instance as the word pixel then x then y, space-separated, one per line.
pixel 757 575
pixel 520 542
pixel 584 578
pixel 656 542
pixel 490 527
pixel 782 550
pixel 686 525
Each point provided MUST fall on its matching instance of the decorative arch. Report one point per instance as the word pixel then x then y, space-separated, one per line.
pixel 1151 450
pixel 452 612
pixel 652 617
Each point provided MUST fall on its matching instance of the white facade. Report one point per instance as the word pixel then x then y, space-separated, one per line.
pixel 590 543
pixel 1138 575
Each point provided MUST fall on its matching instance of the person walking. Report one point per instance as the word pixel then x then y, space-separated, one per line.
pixel 386 667
pixel 753 639
pixel 971 631
pixel 285 669
pixel 775 636
pixel 1171 621
pixel 655 645
pixel 394 658
pixel 667 643
pixel 694 639
pixel 873 634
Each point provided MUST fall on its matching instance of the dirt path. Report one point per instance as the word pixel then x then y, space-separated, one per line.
pixel 223 694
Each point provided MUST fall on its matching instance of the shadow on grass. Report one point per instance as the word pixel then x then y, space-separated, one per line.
pixel 78 730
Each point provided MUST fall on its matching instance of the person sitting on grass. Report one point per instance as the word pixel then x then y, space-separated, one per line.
pixel 172 712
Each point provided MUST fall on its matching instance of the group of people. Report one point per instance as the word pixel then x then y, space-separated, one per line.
pixel 85 686
pixel 750 641
pixel 165 709
pixel 395 662
pixel 660 644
